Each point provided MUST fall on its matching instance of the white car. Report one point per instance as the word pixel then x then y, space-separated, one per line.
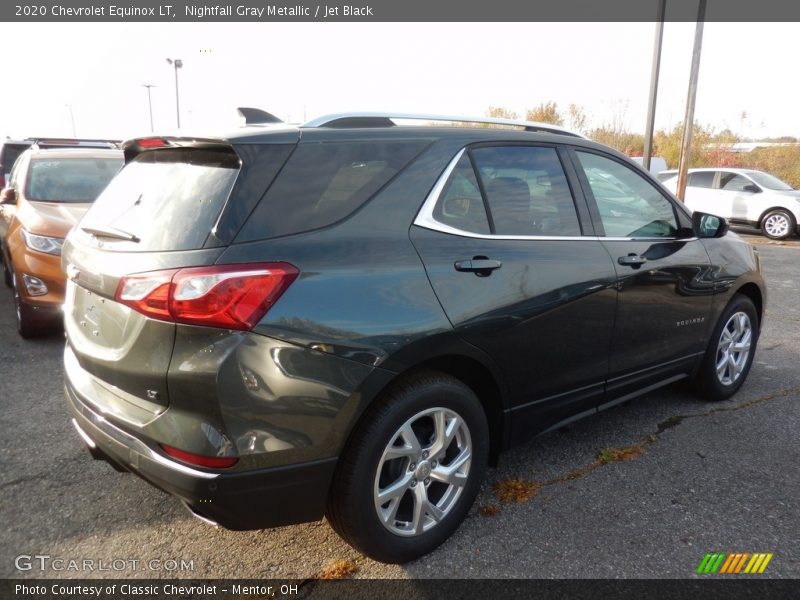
pixel 742 196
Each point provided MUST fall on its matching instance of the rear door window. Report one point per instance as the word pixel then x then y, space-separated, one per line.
pixel 323 183
pixel 527 191
pixel 169 199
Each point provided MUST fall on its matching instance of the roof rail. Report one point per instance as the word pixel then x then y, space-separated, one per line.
pixel 74 143
pixel 378 119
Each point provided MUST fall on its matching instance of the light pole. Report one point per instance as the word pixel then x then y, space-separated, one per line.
pixel 72 119
pixel 177 63
pixel 651 104
pixel 149 103
pixel 688 121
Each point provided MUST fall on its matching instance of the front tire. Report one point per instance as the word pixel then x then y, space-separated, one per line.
pixel 778 224
pixel 6 270
pixel 28 326
pixel 730 351
pixel 411 470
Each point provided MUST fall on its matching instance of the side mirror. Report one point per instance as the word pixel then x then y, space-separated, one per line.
pixel 752 187
pixel 8 196
pixel 708 226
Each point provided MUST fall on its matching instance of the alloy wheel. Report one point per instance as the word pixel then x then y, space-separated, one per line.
pixel 422 471
pixel 733 348
pixel 777 225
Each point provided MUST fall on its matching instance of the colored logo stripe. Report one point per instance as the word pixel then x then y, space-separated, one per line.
pixel 734 563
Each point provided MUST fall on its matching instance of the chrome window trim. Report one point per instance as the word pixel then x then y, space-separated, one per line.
pixel 426 219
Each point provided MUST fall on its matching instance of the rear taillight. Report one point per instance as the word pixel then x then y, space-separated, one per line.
pixel 198 460
pixel 228 296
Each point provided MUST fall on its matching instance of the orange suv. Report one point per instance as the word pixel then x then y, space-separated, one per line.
pixel 48 192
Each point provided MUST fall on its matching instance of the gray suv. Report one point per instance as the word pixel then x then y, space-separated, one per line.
pixel 353 318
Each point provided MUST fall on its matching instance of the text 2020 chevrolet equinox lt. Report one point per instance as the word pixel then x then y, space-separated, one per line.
pixel 351 318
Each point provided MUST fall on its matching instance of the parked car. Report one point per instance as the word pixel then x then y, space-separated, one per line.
pixel 9 152
pixel 742 196
pixel 48 191
pixel 351 318
pixel 658 164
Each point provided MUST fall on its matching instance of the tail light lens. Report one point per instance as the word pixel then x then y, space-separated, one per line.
pixel 198 460
pixel 227 296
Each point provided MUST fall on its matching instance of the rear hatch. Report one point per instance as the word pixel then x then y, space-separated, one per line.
pixel 176 204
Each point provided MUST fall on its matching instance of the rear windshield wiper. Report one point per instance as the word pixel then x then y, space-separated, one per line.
pixel 111 232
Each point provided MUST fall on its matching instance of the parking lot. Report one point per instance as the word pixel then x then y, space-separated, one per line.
pixel 643 490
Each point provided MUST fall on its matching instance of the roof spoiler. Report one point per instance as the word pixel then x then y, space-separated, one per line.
pixel 256 116
pixel 132 148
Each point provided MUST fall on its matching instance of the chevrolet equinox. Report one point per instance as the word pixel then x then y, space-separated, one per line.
pixel 353 317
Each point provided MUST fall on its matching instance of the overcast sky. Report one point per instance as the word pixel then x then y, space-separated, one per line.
pixel 748 73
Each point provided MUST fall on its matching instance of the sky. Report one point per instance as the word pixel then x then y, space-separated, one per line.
pixel 94 73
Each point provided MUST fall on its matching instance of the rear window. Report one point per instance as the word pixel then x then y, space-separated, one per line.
pixel 324 183
pixel 169 199
pixel 70 180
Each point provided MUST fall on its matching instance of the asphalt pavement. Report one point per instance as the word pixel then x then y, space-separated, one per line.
pixel 697 478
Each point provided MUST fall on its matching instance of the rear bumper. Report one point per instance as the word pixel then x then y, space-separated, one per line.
pixel 235 500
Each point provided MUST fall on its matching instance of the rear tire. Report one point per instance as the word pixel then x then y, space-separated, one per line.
pixel 730 351
pixel 778 224
pixel 422 448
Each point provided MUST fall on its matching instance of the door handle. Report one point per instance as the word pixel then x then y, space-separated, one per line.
pixel 632 260
pixel 479 266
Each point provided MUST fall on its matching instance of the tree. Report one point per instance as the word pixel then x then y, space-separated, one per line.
pixel 499 112
pixel 546 112
pixel 576 117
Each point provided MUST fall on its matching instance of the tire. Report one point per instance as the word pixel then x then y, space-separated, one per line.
pixel 778 224
pixel 421 510
pixel 28 326
pixel 723 371
pixel 6 270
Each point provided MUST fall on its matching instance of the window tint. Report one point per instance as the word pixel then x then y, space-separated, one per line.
pixel 629 205
pixel 732 182
pixel 527 191
pixel 169 199
pixel 703 179
pixel 460 204
pixel 70 179
pixel 323 183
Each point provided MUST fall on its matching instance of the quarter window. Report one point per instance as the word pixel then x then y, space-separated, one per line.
pixel 629 205
pixel 324 183
pixel 461 205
